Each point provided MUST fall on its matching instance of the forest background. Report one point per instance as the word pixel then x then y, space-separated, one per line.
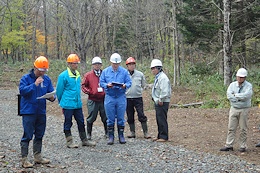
pixel 201 42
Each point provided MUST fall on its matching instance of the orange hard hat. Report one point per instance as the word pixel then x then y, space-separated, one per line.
pixel 130 60
pixel 41 63
pixel 73 58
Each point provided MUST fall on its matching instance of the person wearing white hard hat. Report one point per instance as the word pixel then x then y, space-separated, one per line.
pixel 239 94
pixel 161 95
pixel 115 81
pixel 90 85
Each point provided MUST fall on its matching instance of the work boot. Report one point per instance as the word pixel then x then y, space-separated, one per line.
pixel 145 130
pixel 85 141
pixel 26 163
pixel 111 130
pixel 89 130
pixel 39 159
pixel 121 134
pixel 132 131
pixel 70 143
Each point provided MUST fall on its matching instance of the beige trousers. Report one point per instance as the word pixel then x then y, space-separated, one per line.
pixel 237 117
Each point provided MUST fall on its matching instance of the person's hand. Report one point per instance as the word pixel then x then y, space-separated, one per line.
pixel 38 81
pixel 123 86
pixel 52 98
pixel 110 85
pixel 160 103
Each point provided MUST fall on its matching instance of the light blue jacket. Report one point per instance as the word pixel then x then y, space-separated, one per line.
pixel 108 75
pixel 68 90
pixel 161 90
pixel 240 97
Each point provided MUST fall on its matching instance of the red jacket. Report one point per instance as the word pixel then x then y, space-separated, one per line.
pixel 90 85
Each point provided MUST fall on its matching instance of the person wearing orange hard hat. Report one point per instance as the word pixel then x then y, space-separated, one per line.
pixel 33 110
pixel 135 99
pixel 68 92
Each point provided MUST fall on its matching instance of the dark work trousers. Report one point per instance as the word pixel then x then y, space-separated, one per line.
pixel 78 115
pixel 161 119
pixel 132 105
pixel 93 108
pixel 33 125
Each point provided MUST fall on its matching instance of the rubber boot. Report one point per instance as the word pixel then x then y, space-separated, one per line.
pixel 105 129
pixel 89 130
pixel 145 130
pixel 85 141
pixel 24 153
pixel 132 131
pixel 37 148
pixel 111 130
pixel 121 134
pixel 69 139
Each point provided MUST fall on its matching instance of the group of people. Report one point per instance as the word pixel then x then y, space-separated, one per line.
pixel 111 92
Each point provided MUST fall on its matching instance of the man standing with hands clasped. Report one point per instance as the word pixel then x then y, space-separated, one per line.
pixel 68 92
pixel 91 86
pixel 33 110
pixel 135 99
pixel 239 94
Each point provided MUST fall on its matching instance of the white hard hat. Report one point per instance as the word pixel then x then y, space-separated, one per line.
pixel 156 63
pixel 115 58
pixel 96 60
pixel 241 72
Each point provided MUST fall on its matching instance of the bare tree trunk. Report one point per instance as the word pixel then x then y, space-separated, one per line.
pixel 45 28
pixel 176 78
pixel 227 44
pixel 220 40
pixel 34 34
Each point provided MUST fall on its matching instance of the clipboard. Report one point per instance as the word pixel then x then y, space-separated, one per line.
pixel 117 84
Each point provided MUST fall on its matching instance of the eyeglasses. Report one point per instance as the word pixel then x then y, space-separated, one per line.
pixel 74 63
pixel 152 68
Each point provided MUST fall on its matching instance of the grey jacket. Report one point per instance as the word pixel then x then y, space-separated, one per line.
pixel 138 84
pixel 240 97
pixel 161 90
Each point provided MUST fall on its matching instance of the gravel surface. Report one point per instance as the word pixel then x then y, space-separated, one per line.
pixel 137 155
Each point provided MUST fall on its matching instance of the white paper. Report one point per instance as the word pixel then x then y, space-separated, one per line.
pixel 47 95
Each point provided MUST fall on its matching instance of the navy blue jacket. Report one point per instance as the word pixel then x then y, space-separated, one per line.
pixel 29 92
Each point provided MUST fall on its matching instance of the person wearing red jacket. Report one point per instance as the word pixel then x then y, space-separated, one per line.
pixel 91 86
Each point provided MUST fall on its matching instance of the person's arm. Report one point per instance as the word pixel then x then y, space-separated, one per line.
pixel 231 93
pixel 164 88
pixel 60 87
pixel 246 94
pixel 25 87
pixel 85 85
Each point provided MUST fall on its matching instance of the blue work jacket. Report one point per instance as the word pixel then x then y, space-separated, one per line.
pixel 29 92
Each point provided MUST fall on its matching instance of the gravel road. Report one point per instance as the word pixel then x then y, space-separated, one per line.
pixel 137 155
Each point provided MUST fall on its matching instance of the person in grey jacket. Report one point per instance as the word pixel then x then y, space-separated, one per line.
pixel 135 99
pixel 239 94
pixel 161 95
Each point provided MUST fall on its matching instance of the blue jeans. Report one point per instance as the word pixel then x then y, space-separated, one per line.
pixel 115 109
pixel 78 115
pixel 33 125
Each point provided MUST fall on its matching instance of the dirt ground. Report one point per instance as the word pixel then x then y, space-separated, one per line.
pixel 197 129
pixel 202 130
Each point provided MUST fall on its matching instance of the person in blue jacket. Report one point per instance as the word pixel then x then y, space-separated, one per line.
pixel 115 80
pixel 68 92
pixel 33 111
